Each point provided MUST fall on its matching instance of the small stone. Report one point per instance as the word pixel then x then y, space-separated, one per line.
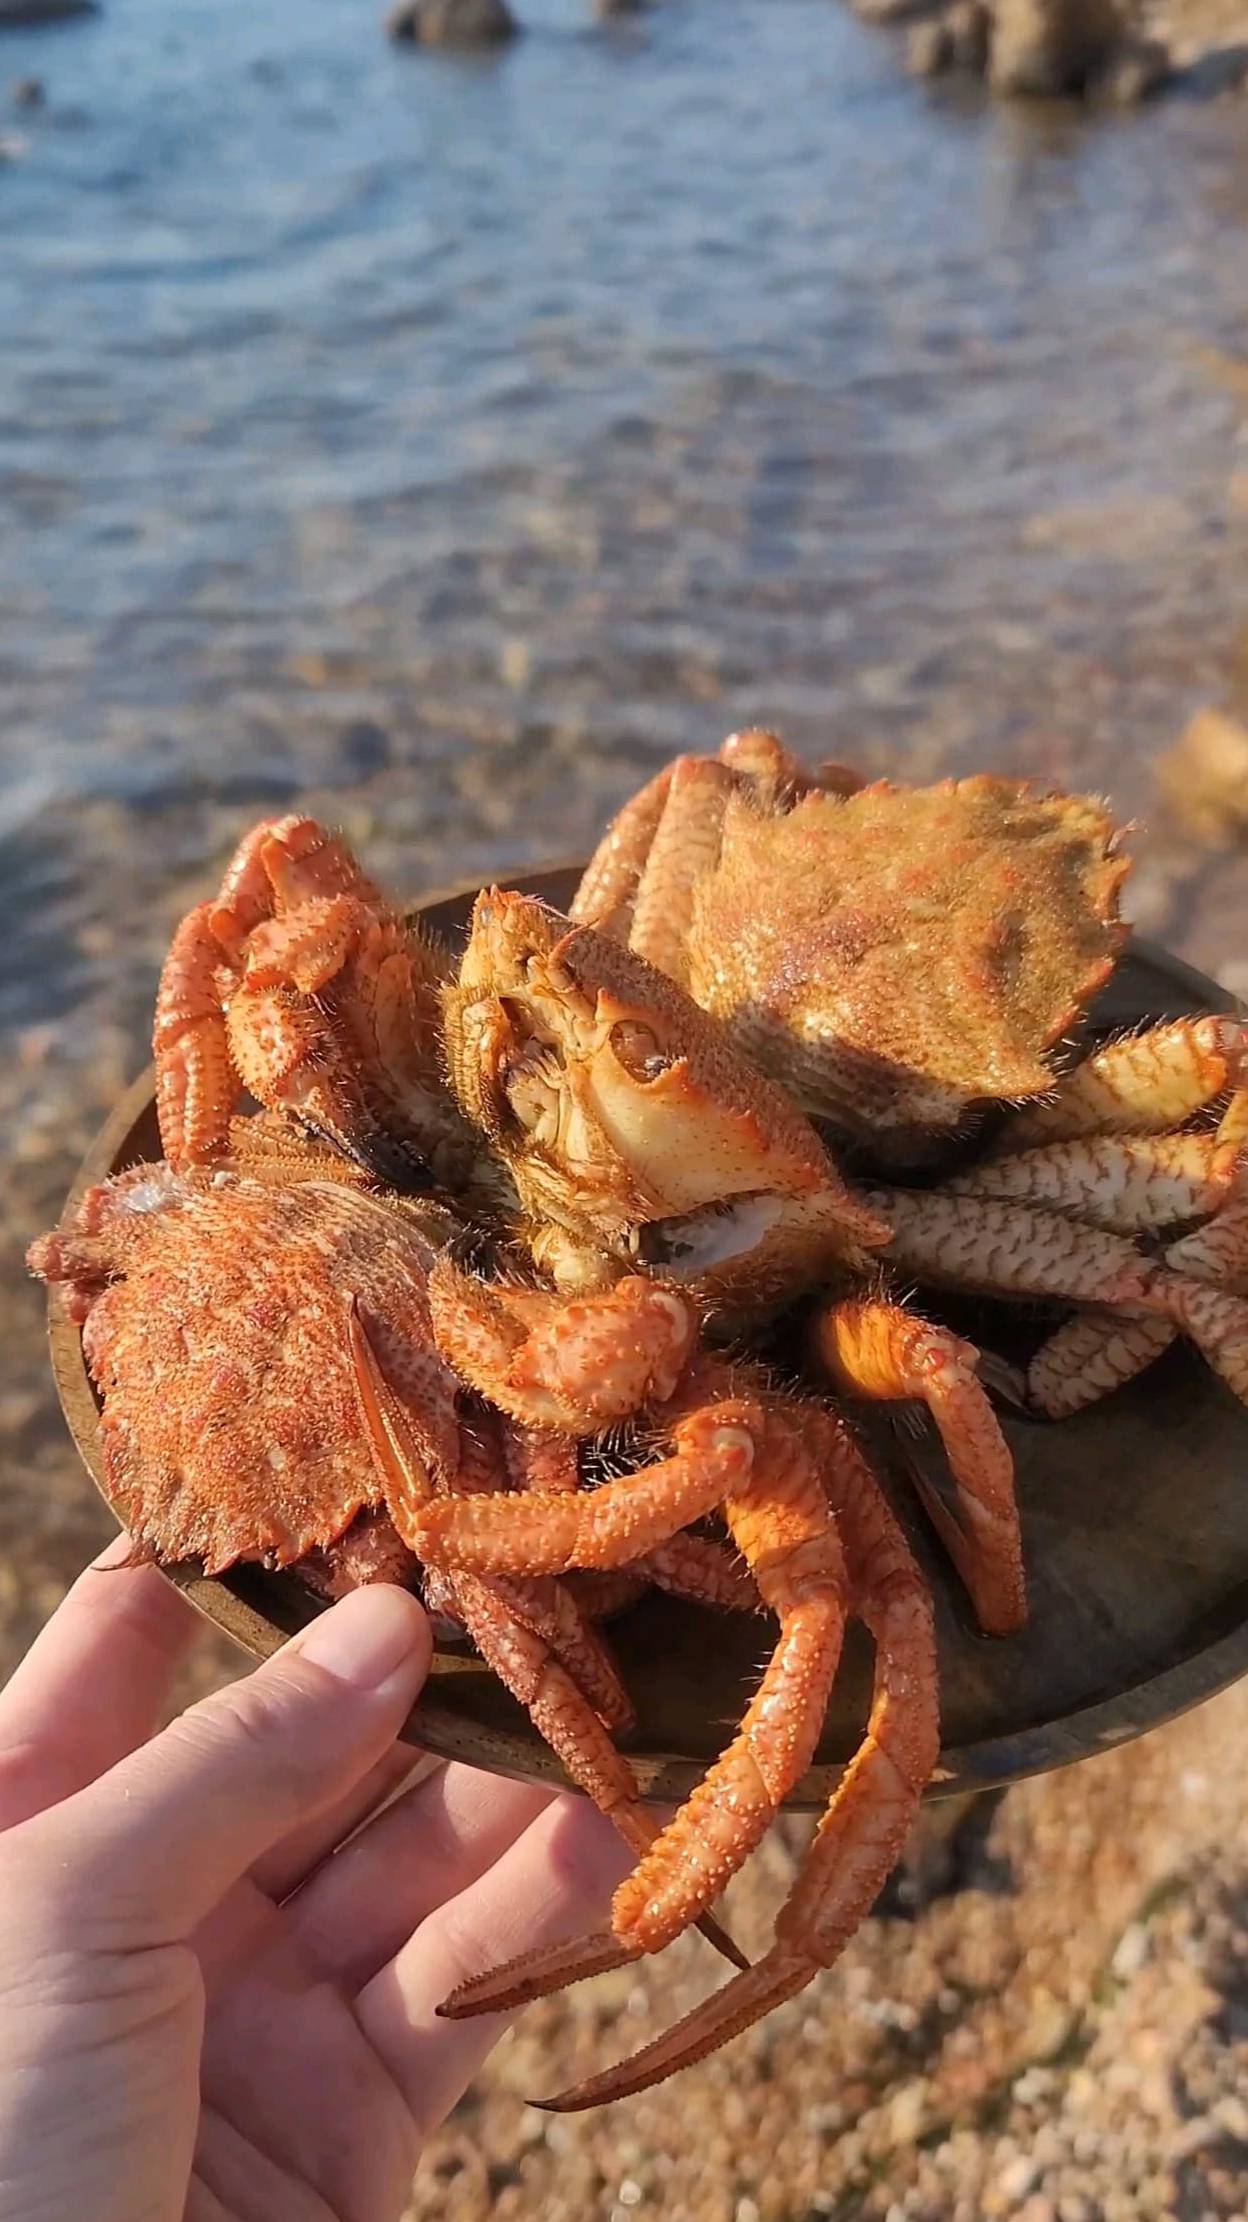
pixel 1231 2115
pixel 1017 2179
pixel 1204 780
pixel 929 50
pixel 365 747
pixel 27 92
pixel 1194 2137
pixel 1130 1952
pixel 452 22
pixel 606 9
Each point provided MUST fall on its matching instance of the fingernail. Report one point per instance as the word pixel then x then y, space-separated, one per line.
pixel 368 1638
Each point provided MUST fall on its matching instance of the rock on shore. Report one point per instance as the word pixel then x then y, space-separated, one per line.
pixel 451 22
pixel 1115 51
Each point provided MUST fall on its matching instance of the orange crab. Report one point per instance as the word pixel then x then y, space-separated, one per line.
pixel 224 1317
pixel 902 960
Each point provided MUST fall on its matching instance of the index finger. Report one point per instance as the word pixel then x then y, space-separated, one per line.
pixel 93 1685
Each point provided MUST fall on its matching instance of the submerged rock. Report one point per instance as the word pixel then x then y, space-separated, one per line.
pixel 969 24
pixel 451 22
pixel 929 50
pixel 1138 69
pixel 26 12
pixel 1043 48
pixel 27 92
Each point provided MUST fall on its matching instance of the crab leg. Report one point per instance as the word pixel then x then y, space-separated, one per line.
pixel 508 1640
pixel 540 1458
pixel 694 1567
pixel 553 1363
pixel 1017 1250
pixel 865 1827
pixel 1091 1354
pixel 878 1350
pixel 686 843
pixel 196 1086
pixel 1098 1351
pixel 690 1566
pixel 544 1605
pixel 610 1526
pixel 608 886
pixel 1140 1084
pixel 1010 1249
pixel 781 1518
pixel 1130 1184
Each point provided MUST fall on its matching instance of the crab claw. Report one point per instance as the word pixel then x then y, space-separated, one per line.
pixel 564 1363
pixel 630 1124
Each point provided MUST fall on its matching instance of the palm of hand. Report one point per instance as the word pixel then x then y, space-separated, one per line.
pixel 204 2016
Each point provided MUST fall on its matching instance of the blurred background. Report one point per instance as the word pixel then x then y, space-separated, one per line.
pixel 441 440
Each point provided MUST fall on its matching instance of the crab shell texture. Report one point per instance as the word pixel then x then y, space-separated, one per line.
pixel 899 955
pixel 632 1128
pixel 216 1331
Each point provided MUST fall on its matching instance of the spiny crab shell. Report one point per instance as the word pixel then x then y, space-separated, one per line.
pixel 215 1329
pixel 894 956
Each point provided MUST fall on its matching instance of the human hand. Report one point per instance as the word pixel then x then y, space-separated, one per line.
pixel 202 2014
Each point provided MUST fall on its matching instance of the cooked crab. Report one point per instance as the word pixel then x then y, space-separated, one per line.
pixel 895 956
pixel 900 958
pixel 222 1320
pixel 636 1134
pixel 819 1538
pixel 301 984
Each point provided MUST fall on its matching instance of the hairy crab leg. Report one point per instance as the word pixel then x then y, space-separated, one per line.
pixel 1004 1249
pixel 879 1350
pixel 196 1086
pixel 546 1607
pixel 517 1653
pixel 551 1362
pixel 865 1827
pixel 610 1526
pixel 541 1458
pixel 703 1572
pixel 608 886
pixel 1139 1084
pixel 689 1566
pixel 1128 1184
pixel 686 843
pixel 1098 1351
pixel 781 1517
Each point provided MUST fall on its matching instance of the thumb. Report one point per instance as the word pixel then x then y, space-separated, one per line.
pixel 159 1839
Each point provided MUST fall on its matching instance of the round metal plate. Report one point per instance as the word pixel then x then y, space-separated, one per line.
pixel 1135 1521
